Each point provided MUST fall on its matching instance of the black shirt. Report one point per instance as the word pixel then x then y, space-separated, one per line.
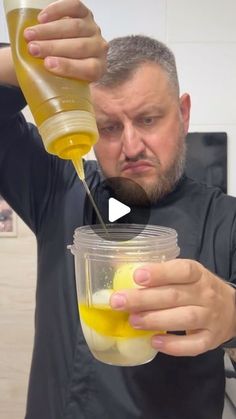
pixel 66 382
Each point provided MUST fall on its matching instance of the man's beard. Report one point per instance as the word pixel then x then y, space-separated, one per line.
pixel 150 192
pixel 166 181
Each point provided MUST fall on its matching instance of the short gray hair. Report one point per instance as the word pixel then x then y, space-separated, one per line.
pixel 127 53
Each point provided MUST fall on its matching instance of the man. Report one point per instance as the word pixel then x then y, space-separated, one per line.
pixel 142 123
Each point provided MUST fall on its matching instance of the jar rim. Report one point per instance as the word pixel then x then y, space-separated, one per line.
pixel 124 236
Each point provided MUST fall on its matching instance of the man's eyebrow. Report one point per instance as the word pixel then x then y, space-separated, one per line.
pixel 150 109
pixel 105 118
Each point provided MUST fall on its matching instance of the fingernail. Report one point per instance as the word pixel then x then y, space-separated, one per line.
pixel 29 34
pixel 157 341
pixel 51 62
pixel 135 321
pixel 117 301
pixel 141 276
pixel 34 49
pixel 42 17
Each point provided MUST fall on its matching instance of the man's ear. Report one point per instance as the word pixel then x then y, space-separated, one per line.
pixel 185 106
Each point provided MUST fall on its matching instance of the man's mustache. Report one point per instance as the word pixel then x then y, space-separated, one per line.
pixel 153 160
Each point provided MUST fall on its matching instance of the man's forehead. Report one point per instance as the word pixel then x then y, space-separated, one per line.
pixel 149 80
pixel 132 103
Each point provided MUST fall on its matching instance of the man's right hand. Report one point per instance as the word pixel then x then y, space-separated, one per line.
pixel 69 41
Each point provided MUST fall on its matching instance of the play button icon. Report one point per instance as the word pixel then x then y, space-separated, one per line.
pixel 116 210
pixel 120 201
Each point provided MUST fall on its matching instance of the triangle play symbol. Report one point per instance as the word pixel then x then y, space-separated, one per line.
pixel 116 209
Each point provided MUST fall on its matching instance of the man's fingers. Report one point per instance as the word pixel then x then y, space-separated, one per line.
pixel 185 345
pixel 62 29
pixel 59 9
pixel 69 41
pixel 75 49
pixel 160 298
pixel 178 271
pixel 178 319
pixel 89 69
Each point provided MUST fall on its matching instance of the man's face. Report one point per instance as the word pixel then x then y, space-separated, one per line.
pixel 142 126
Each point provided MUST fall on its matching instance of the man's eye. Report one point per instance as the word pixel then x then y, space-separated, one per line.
pixel 147 120
pixel 109 129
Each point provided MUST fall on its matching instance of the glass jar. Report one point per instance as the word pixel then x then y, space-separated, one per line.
pixel 104 264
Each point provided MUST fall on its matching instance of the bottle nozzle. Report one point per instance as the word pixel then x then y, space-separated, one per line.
pixel 78 164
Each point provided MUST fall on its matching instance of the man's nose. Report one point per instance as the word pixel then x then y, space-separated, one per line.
pixel 132 142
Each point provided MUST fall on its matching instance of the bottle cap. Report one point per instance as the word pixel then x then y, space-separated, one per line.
pixel 68 132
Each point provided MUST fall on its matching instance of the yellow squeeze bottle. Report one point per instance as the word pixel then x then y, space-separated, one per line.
pixel 61 106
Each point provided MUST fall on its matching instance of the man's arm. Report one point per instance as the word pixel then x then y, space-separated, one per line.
pixel 7 71
pixel 79 53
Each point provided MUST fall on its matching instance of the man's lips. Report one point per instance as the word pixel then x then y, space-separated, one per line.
pixel 135 167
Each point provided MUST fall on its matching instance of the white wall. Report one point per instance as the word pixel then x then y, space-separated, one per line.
pixel 3 26
pixel 202 35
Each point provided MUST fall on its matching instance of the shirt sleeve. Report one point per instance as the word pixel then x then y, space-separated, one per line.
pixel 12 101
pixel 29 176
